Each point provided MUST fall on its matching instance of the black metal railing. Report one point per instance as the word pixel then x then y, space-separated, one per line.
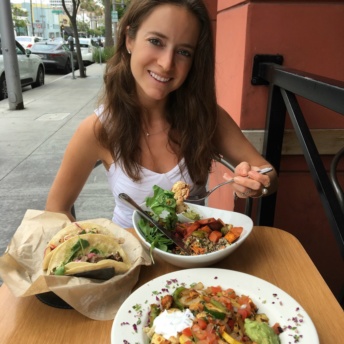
pixel 284 86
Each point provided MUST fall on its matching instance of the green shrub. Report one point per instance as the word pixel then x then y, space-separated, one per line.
pixel 103 54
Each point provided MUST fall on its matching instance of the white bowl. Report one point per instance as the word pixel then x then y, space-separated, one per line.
pixel 228 217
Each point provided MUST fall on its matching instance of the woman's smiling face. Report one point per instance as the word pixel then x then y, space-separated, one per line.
pixel 162 51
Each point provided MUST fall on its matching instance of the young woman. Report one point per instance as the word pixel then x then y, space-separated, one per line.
pixel 158 121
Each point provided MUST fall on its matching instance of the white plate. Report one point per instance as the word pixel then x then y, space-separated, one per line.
pixel 275 303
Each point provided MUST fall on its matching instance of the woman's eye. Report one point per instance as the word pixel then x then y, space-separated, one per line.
pixel 155 41
pixel 184 53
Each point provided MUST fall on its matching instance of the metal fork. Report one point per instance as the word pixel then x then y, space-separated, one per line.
pixel 207 193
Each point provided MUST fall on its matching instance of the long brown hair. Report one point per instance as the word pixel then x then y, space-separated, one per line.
pixel 191 109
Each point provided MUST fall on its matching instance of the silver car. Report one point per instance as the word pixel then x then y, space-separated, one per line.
pixel 56 56
pixel 31 70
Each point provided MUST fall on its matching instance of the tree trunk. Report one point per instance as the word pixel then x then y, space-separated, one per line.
pixel 82 69
pixel 72 19
pixel 108 24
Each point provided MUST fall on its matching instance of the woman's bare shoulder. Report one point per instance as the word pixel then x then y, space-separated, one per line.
pixel 87 136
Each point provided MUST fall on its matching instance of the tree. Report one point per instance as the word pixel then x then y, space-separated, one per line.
pixel 20 21
pixel 108 7
pixel 108 24
pixel 72 13
pixel 92 7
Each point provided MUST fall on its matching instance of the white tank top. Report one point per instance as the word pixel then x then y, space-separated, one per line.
pixel 119 182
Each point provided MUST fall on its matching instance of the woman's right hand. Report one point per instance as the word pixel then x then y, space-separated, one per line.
pixel 248 182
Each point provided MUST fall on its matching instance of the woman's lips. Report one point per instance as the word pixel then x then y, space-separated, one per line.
pixel 158 77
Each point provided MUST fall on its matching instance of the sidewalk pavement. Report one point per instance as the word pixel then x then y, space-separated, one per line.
pixel 32 144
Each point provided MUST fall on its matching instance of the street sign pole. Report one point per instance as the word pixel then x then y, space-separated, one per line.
pixel 8 44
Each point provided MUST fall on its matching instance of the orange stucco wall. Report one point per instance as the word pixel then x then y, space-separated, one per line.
pixel 310 36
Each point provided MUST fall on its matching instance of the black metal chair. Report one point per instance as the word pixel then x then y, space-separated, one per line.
pixel 340 195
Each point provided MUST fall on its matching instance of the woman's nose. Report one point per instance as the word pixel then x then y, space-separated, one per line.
pixel 166 60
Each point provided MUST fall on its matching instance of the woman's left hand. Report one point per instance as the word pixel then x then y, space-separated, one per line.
pixel 248 182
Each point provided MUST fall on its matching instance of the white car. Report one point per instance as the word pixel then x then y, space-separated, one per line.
pixel 87 47
pixel 28 41
pixel 31 70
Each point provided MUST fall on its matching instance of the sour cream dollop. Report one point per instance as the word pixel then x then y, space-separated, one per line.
pixel 169 323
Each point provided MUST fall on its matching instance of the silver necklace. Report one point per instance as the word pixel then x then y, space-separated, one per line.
pixel 148 134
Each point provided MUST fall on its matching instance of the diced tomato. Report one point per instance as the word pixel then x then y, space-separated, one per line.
pixel 187 332
pixel 215 236
pixel 202 323
pixel 229 305
pixel 243 312
pixel 215 290
pixel 198 333
pixel 244 300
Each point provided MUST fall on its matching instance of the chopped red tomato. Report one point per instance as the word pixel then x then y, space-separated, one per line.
pixel 202 323
pixel 187 332
pixel 243 312
pixel 215 290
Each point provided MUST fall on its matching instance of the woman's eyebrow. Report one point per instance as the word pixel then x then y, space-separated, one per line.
pixel 161 35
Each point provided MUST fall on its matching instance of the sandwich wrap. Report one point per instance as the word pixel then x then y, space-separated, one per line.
pixel 88 252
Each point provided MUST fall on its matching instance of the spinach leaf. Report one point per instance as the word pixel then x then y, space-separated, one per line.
pixel 154 237
pixel 163 205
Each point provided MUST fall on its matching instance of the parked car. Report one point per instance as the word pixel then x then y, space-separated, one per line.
pixel 87 47
pixel 28 41
pixel 31 69
pixel 56 56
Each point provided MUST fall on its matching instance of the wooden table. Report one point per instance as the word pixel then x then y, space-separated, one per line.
pixel 269 253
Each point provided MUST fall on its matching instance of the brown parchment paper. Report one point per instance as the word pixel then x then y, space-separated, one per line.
pixel 21 267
